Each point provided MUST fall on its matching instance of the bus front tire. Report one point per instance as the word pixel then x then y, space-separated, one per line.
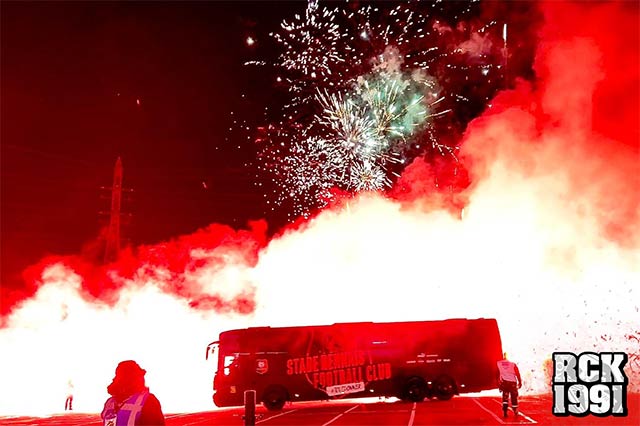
pixel 274 398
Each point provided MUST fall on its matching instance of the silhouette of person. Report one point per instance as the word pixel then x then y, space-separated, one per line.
pixel 131 403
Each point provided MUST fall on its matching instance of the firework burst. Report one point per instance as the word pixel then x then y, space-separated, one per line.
pixel 366 87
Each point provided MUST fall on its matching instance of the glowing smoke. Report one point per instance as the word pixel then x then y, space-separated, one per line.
pixel 160 306
pixel 548 243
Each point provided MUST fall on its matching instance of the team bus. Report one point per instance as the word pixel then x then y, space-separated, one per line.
pixel 408 360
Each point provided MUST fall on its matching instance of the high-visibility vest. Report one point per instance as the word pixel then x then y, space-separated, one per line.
pixel 507 371
pixel 127 414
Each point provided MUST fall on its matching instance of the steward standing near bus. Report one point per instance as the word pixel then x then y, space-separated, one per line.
pixel 509 381
pixel 131 403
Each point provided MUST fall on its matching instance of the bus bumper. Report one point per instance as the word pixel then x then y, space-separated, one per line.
pixel 227 399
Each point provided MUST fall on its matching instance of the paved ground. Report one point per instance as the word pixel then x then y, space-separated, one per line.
pixel 467 411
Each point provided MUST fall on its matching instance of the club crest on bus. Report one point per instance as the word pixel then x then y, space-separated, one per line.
pixel 262 366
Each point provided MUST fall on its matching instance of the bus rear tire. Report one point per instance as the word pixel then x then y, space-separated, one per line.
pixel 415 390
pixel 444 388
pixel 274 398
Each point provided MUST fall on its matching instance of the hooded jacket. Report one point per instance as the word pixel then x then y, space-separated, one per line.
pixel 131 403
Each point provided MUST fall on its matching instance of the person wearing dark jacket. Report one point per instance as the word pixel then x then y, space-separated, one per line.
pixel 131 403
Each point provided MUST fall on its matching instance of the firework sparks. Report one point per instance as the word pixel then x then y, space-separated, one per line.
pixel 365 95
pixel 549 245
pixel 370 126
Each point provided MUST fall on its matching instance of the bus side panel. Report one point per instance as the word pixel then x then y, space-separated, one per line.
pixel 310 362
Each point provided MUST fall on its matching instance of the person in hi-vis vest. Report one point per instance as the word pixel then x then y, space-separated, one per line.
pixel 509 381
pixel 131 403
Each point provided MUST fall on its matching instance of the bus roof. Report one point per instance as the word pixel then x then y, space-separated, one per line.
pixel 369 326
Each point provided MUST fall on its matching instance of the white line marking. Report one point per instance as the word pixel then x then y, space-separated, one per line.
pixel 527 417
pixel 413 414
pixel 340 415
pixel 498 419
pixel 277 415
pixel 519 413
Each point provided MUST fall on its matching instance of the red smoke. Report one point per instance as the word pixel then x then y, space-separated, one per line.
pixel 173 264
pixel 584 109
pixel 580 117
pixel 583 131
pixel 537 226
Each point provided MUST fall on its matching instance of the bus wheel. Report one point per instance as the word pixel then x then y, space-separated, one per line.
pixel 415 390
pixel 444 388
pixel 274 398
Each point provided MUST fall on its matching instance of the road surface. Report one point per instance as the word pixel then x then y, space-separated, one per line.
pixel 461 410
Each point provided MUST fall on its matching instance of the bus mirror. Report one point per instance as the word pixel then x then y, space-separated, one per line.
pixel 211 347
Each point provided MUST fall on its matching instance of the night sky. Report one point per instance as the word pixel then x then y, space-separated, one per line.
pixel 72 76
pixel 164 86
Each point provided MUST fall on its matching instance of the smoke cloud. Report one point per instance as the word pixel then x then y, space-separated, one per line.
pixel 539 229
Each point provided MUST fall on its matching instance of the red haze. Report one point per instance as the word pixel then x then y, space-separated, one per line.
pixel 174 264
pixel 539 230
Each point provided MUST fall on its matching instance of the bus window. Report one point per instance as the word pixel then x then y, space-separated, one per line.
pixel 229 361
